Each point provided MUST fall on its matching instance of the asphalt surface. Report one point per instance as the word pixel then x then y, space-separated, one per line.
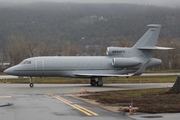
pixel 55 101
pixel 48 102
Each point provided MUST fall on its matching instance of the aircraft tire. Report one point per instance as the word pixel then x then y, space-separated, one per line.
pixel 100 85
pixel 31 85
pixel 93 83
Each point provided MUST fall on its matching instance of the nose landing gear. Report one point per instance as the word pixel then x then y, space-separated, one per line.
pixel 31 83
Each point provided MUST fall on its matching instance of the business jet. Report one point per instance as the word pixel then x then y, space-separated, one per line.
pixel 119 62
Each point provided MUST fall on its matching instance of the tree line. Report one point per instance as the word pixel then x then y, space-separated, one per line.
pixel 19 49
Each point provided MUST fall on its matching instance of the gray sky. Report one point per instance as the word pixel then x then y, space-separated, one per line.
pixel 170 3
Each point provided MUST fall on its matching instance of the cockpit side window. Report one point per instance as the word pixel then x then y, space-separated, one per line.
pixel 28 62
pixel 25 62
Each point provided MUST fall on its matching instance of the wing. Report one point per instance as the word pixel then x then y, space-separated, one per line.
pixel 138 72
pixel 101 75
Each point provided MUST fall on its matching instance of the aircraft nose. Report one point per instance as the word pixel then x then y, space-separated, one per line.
pixel 8 71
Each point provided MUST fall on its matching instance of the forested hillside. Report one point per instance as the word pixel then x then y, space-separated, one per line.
pixel 71 21
pixel 47 28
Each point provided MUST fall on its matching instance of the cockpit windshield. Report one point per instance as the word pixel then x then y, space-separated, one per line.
pixel 25 62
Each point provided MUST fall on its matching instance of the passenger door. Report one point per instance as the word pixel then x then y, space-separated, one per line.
pixel 40 68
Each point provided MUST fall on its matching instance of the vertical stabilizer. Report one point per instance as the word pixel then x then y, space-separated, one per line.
pixel 149 39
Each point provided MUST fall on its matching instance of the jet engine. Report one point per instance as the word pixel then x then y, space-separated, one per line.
pixel 125 62
pixel 115 51
pixel 154 62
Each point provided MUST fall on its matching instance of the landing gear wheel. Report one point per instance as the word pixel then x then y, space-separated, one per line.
pixel 31 82
pixel 99 84
pixel 31 85
pixel 93 83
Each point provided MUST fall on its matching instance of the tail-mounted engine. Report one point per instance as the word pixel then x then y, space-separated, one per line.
pixel 115 51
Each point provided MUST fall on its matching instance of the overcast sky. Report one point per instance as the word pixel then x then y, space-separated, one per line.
pixel 170 3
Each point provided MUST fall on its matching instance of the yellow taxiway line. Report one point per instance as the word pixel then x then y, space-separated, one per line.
pixel 80 108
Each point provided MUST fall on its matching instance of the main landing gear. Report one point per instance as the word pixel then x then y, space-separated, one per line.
pixel 99 82
pixel 31 83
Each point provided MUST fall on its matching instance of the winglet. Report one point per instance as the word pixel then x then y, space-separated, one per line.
pixel 142 68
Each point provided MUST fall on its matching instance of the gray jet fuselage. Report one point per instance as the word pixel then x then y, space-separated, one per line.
pixel 61 66
pixel 56 66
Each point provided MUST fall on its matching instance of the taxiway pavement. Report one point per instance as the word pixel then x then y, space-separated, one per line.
pixel 55 101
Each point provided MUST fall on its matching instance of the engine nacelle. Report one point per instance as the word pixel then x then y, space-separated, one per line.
pixel 154 62
pixel 125 62
pixel 115 51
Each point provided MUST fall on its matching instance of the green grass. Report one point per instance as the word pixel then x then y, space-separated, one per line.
pixel 142 79
pixel 162 71
pixel 1 73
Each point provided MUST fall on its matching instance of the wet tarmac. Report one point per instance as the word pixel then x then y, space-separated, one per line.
pixel 54 102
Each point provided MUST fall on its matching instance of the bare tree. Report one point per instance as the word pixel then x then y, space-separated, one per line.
pixel 16 49
pixel 123 42
pixel 63 48
pixel 32 46
pixel 170 57
pixel 36 48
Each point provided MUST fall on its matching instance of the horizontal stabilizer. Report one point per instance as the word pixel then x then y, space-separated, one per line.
pixel 154 48
pixel 101 75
